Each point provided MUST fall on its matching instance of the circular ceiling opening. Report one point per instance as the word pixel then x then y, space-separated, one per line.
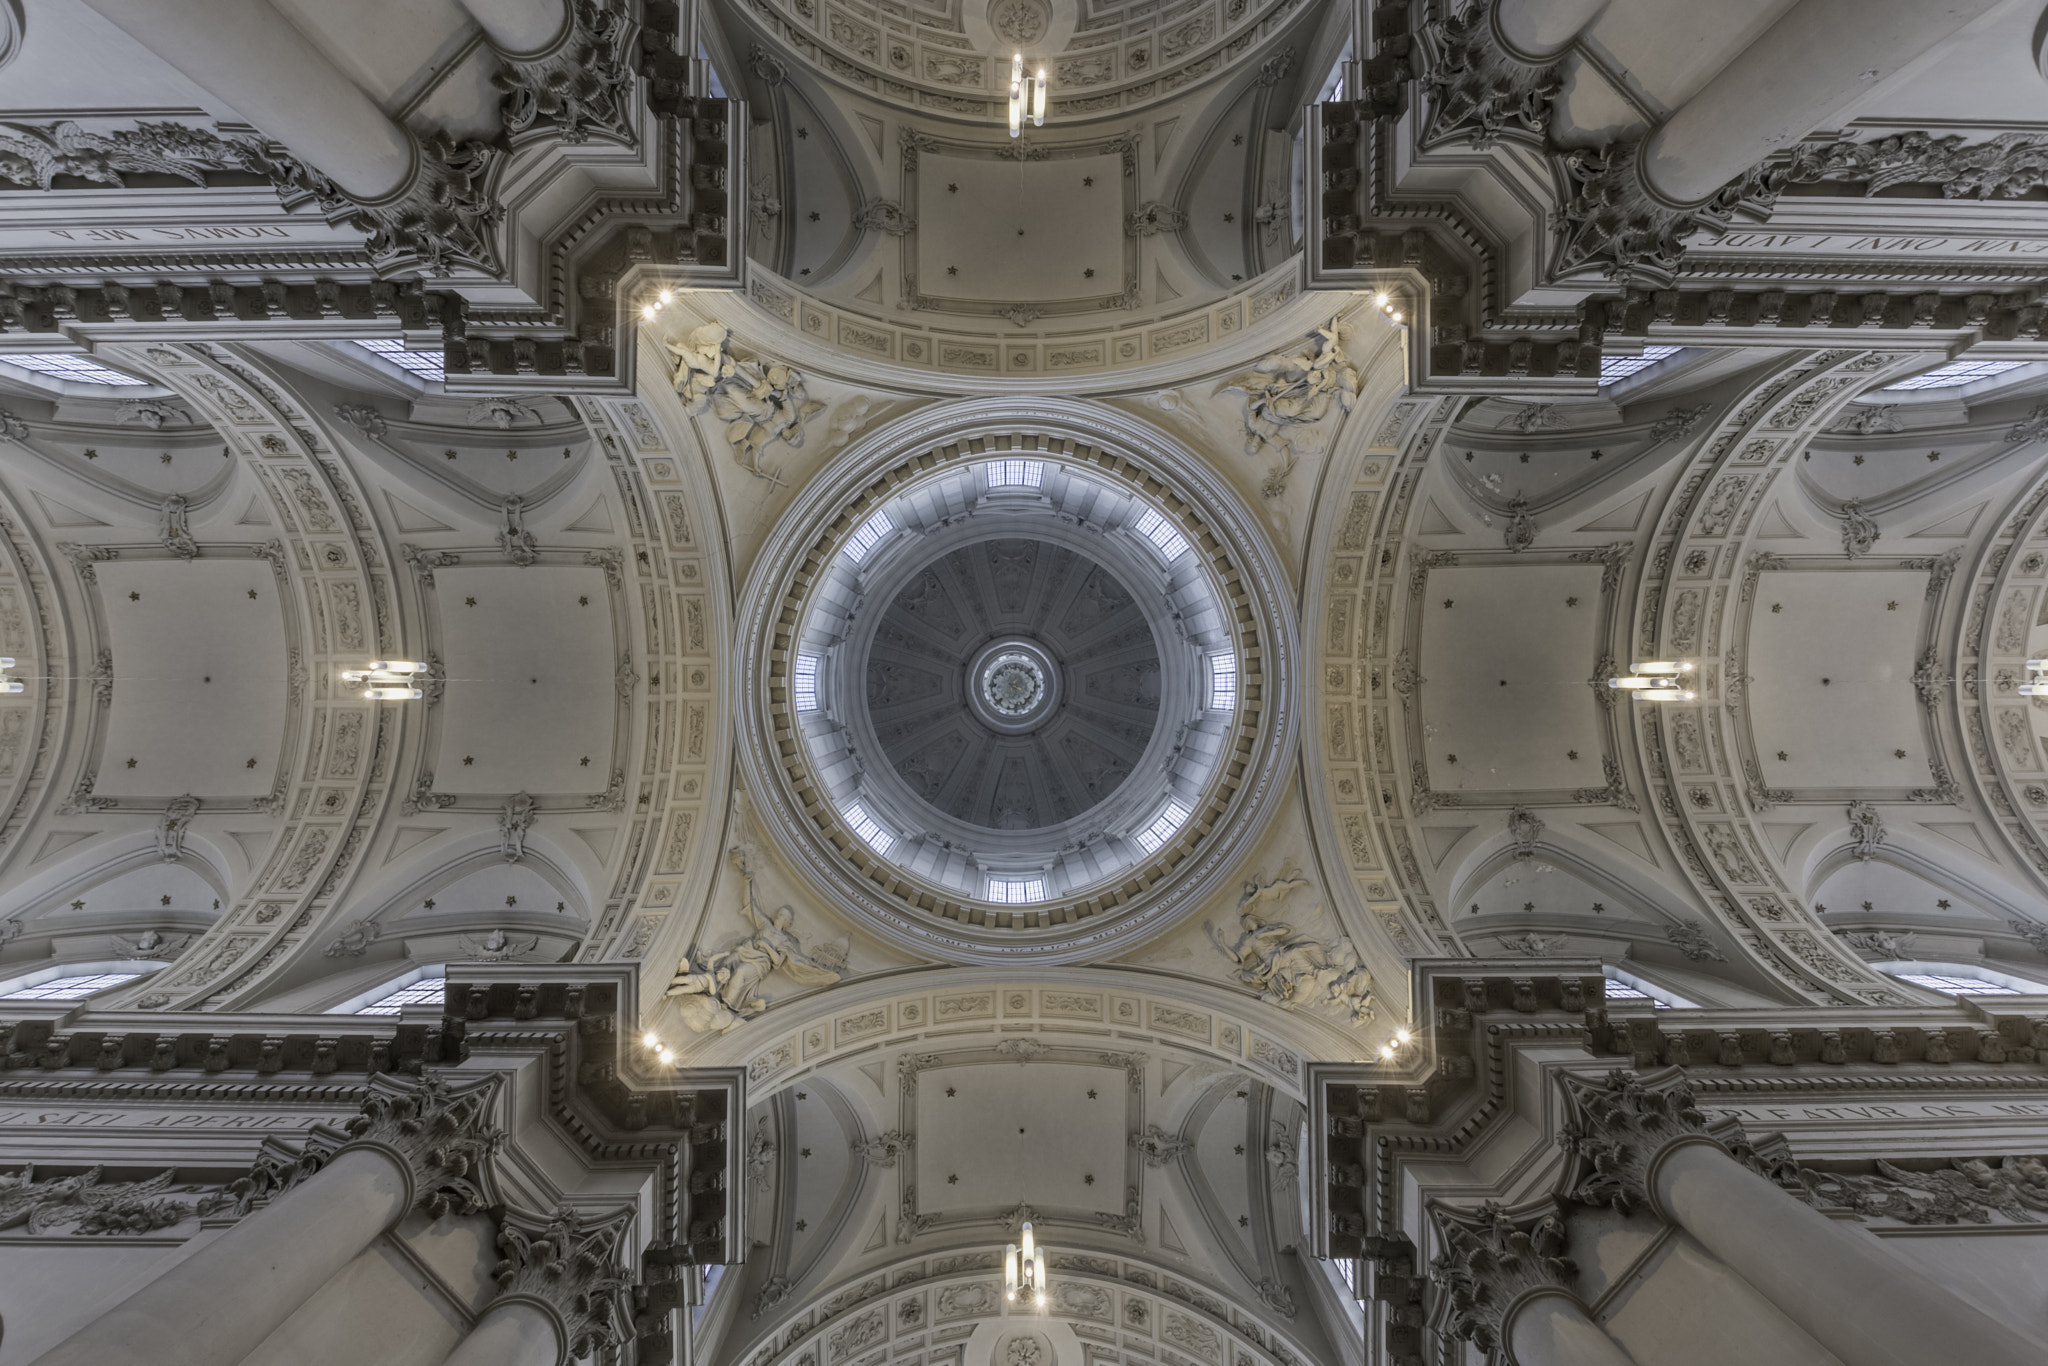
pixel 1018 690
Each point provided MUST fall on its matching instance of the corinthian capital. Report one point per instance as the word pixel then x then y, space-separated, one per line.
pixel 442 1134
pixel 1491 1260
pixel 572 1272
pixel 1616 1127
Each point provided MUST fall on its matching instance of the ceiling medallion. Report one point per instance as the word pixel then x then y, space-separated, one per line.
pixel 1019 22
pixel 1021 675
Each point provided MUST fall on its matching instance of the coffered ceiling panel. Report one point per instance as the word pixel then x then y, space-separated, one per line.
pixel 1012 1131
pixel 1506 655
pixel 1832 655
pixel 199 666
pixel 530 660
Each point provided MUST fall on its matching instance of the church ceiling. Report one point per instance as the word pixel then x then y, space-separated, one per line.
pixel 825 524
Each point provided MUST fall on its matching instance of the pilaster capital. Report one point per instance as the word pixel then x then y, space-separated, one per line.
pixel 1494 1260
pixel 571 1271
pixel 439 1134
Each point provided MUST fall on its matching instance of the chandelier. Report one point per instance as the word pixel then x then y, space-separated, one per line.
pixel 1024 1270
pixel 1027 96
pixel 7 684
pixel 2035 686
pixel 1656 681
pixel 389 680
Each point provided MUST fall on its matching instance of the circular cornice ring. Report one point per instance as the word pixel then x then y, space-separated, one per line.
pixel 1109 445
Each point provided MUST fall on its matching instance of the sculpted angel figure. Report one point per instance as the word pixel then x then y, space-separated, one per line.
pixel 722 989
pixel 758 401
pixel 1290 969
pixel 1284 395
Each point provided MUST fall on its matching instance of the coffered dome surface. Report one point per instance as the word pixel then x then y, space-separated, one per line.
pixel 1013 683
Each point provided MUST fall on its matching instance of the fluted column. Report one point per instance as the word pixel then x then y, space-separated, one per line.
pixel 1542 28
pixel 520 28
pixel 1813 63
pixel 257 63
pixel 561 1294
pixel 1635 1141
pixel 411 1145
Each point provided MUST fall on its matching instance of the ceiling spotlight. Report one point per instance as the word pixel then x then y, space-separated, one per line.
pixel 648 311
pixel 651 1039
pixel 667 296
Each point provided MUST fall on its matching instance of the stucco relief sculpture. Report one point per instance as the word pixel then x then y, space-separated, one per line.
pixel 1289 969
pixel 720 989
pixel 1286 396
pixel 759 401
pixel 87 1205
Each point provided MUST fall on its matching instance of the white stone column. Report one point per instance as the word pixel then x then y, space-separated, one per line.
pixel 214 1307
pixel 1542 28
pixel 520 28
pixel 1835 1280
pixel 258 64
pixel 1553 1329
pixel 417 1143
pixel 512 1332
pixel 1814 62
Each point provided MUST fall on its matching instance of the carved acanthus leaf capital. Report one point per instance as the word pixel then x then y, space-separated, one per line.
pixel 1490 1260
pixel 444 1135
pixel 571 1269
pixel 1616 1126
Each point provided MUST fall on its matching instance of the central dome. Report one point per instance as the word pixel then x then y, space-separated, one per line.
pixel 1013 684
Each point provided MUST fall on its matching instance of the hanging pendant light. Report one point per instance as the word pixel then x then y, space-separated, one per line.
pixel 389 680
pixel 1024 1270
pixel 1027 96
pixel 1658 680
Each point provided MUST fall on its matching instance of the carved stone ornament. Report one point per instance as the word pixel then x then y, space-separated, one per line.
pixel 758 401
pixel 1692 940
pixel 515 818
pixel 171 827
pixel 885 216
pixel 720 990
pixel 1859 533
pixel 1970 1191
pixel 1158 1148
pixel 571 1270
pixel 1152 218
pixel 1285 396
pixel 1866 830
pixel 1524 828
pixel 1490 1260
pixel 84 1204
pixel 2008 166
pixel 883 1149
pixel 1291 970
pixel 1477 91
pixel 1614 1127
pixel 582 86
pixel 442 1134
